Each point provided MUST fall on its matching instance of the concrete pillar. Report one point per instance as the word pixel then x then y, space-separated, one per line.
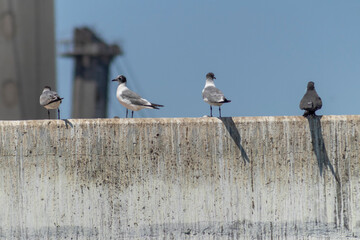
pixel 27 59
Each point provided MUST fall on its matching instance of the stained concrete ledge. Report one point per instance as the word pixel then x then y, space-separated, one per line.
pixel 181 178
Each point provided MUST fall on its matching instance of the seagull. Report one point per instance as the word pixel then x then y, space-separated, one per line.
pixel 311 101
pixel 212 95
pixel 131 100
pixel 50 100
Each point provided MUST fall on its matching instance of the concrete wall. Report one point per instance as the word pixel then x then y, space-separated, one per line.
pixel 190 178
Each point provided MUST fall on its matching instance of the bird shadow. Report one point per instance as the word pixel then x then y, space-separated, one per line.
pixel 235 135
pixel 67 123
pixel 318 144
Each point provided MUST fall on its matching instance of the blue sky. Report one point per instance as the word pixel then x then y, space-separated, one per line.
pixel 263 53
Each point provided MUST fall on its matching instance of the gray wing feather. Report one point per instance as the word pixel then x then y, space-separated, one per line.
pixel 134 98
pixel 49 97
pixel 311 101
pixel 305 103
pixel 213 94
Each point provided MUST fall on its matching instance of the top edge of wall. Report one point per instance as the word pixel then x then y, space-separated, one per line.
pixel 177 120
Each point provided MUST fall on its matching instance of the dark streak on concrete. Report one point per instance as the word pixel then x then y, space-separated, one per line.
pixel 317 141
pixel 235 135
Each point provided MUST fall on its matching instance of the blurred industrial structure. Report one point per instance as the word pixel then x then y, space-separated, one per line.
pixel 27 62
pixel 27 59
pixel 92 63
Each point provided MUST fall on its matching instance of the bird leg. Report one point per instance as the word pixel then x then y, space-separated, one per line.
pixel 58 113
pixel 132 114
pixel 210 111
pixel 220 111
pixel 126 113
pixel 48 114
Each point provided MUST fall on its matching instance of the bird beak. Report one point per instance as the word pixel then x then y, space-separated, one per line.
pixel 214 77
pixel 114 80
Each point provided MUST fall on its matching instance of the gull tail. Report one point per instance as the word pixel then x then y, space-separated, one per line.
pixel 226 101
pixel 56 100
pixel 156 106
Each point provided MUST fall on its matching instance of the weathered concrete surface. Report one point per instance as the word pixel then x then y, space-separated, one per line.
pixel 190 178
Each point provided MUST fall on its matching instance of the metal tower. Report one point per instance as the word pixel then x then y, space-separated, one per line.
pixel 92 61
